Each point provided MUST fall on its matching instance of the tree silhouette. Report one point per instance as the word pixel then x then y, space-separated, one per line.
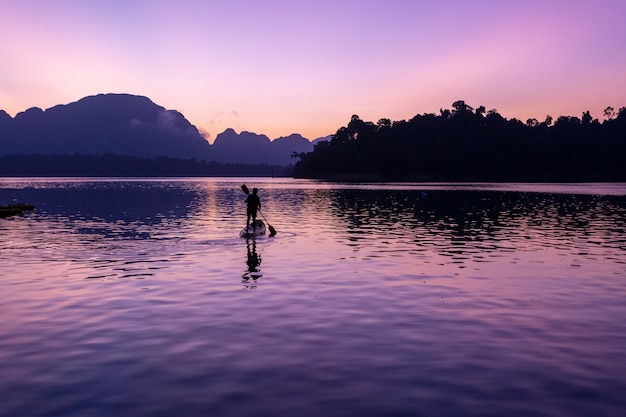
pixel 609 113
pixel 467 144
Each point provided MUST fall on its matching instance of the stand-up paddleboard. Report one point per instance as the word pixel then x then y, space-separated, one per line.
pixel 254 229
pixel 243 233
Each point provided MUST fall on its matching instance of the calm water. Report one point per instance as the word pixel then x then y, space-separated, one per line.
pixel 128 298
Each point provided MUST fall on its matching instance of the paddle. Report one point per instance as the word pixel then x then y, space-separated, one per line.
pixel 272 230
pixel 244 188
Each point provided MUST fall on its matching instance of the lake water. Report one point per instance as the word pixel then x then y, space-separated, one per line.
pixel 137 297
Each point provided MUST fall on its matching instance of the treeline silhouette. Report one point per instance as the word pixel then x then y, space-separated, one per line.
pixel 467 144
pixel 112 165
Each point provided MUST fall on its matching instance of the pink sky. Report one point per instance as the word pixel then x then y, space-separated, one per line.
pixel 279 67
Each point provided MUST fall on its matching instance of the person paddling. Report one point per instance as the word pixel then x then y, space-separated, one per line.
pixel 254 204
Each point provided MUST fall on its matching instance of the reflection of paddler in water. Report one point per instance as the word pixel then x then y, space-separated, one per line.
pixel 253 261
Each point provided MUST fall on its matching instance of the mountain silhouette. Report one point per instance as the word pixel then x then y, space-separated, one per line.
pixel 249 148
pixel 130 125
pixel 107 123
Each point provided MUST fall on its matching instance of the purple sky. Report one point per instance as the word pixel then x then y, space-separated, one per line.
pixel 279 67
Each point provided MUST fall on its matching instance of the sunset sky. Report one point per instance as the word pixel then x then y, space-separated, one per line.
pixel 280 67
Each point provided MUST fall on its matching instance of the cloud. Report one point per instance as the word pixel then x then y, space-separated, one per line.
pixel 222 120
pixel 167 121
pixel 217 118
pixel 205 134
pixel 235 119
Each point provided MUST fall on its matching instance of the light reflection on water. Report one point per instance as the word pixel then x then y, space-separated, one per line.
pixel 129 297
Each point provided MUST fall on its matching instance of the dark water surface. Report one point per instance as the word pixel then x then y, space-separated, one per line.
pixel 129 297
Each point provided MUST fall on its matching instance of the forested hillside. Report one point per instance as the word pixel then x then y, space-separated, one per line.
pixel 467 144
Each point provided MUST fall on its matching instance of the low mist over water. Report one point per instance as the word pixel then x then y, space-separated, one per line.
pixel 138 297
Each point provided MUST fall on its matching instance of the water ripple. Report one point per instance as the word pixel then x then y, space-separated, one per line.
pixel 130 297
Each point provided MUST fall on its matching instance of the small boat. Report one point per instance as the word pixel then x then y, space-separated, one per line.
pixel 257 228
pixel 14 209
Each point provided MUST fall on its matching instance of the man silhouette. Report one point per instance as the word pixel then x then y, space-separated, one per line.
pixel 254 204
